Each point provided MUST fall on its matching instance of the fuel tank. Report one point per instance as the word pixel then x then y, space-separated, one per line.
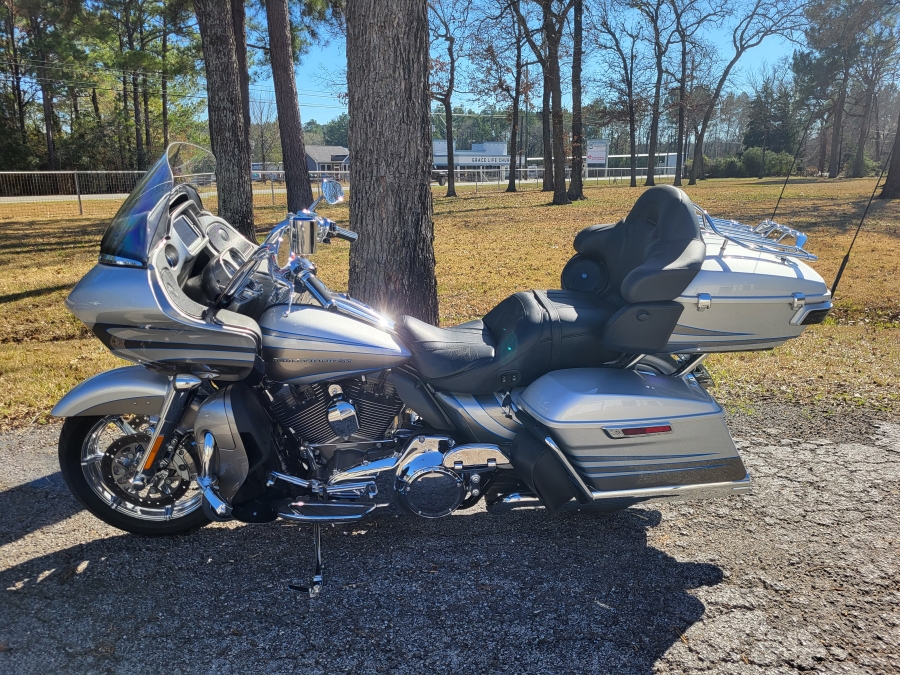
pixel 311 344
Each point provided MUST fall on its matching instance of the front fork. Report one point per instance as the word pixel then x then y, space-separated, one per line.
pixel 178 396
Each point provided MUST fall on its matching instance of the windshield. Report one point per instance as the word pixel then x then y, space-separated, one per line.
pixel 140 221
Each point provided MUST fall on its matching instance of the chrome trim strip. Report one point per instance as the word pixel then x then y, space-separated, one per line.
pixel 107 259
pixel 573 474
pixel 734 487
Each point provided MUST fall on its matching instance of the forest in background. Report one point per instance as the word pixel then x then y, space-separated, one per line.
pixel 106 84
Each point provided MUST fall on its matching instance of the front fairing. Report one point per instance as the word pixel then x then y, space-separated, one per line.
pixel 140 222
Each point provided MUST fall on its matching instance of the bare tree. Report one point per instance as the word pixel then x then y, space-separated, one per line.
pixel 226 115
pixel 263 133
pixel 293 149
pixel 878 55
pixel 690 16
pixel 447 23
pixel 494 75
pixel 576 188
pixel 756 20
pixel 660 36
pixel 392 264
pixel 553 21
pixel 620 36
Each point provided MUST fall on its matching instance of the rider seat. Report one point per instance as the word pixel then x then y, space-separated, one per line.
pixel 637 267
pixel 526 335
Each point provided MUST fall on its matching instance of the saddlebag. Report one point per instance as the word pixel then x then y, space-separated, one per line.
pixel 625 430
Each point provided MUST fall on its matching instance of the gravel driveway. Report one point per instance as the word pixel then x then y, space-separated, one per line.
pixel 800 575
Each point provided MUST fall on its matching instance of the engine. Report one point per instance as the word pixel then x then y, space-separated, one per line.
pixel 358 409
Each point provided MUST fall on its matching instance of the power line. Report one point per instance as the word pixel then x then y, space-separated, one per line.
pixel 123 72
pixel 170 94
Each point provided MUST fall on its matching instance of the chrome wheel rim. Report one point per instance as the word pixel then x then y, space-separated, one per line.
pixel 106 454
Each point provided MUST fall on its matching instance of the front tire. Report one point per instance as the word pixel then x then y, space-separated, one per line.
pixel 94 453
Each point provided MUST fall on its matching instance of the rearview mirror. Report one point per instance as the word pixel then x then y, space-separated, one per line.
pixel 332 190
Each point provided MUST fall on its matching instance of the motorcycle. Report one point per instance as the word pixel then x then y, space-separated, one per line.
pixel 261 394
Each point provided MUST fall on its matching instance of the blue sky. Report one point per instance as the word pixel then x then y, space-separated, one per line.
pixel 318 103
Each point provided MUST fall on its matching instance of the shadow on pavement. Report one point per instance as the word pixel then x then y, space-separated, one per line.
pixel 526 592
pixel 29 507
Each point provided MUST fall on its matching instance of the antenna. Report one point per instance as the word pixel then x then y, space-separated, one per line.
pixel 846 259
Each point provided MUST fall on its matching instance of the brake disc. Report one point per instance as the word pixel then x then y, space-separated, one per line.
pixel 165 487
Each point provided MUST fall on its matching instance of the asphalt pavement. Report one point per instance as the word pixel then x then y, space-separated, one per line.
pixel 800 575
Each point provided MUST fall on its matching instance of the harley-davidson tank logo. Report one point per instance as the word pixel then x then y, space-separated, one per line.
pixel 281 360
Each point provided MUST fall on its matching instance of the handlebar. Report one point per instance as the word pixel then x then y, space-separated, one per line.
pixel 341 233
pixel 318 290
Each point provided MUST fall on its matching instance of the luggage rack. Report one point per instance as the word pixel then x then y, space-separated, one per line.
pixel 767 237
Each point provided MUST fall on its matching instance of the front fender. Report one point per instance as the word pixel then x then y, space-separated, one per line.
pixel 130 390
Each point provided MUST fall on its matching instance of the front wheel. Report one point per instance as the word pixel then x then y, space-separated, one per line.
pixel 96 456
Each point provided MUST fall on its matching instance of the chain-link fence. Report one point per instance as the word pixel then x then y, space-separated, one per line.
pixel 61 194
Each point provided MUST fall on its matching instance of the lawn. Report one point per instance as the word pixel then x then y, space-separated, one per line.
pixel 490 244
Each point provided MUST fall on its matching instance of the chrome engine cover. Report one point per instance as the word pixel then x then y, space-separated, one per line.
pixel 433 478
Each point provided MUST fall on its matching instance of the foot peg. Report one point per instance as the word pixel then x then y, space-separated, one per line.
pixel 323 512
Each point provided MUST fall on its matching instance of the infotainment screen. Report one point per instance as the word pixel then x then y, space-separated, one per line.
pixel 186 231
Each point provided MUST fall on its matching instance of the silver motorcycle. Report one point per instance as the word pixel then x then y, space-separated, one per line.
pixel 260 394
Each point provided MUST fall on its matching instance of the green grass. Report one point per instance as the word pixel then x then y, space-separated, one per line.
pixel 490 244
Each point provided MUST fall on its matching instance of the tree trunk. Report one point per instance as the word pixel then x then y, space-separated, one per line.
pixel 654 122
pixel 823 146
pixel 238 20
pixel 838 129
pixel 164 83
pixel 451 155
pixel 559 151
pixel 293 148
pixel 17 74
pixel 514 125
pixel 547 137
pixel 47 100
pixel 859 160
pixel 95 103
pixel 682 85
pixel 138 136
pixel 392 264
pixel 576 187
pixel 148 138
pixel 891 189
pixel 226 115
pixel 632 138
pixel 877 129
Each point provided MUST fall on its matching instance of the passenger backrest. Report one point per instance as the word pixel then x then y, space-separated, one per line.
pixel 653 253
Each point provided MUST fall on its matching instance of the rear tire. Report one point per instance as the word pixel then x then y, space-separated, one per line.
pixel 87 485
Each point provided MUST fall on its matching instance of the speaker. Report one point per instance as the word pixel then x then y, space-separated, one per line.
pixel 584 273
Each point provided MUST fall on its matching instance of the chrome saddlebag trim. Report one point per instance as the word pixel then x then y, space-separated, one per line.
pixel 599 498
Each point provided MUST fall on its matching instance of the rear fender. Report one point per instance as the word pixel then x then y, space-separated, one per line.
pixel 131 390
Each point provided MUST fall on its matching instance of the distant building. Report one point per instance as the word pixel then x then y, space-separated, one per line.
pixel 489 155
pixel 327 158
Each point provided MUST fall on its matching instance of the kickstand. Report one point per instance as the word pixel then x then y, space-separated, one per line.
pixel 316 585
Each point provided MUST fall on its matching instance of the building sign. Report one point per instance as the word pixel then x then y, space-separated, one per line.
pixel 474 159
pixel 597 151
